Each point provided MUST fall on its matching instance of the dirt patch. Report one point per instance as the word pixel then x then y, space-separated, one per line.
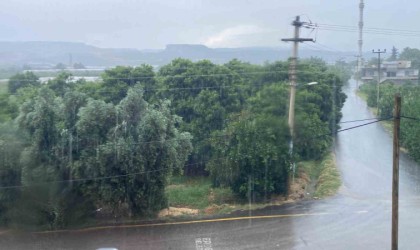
pixel 4 231
pixel 173 186
pixel 211 209
pixel 215 209
pixel 175 211
pixel 212 197
pixel 299 188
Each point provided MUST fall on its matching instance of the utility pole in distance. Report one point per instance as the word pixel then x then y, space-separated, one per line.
pixel 293 78
pixel 379 52
pixel 360 42
pixel 395 171
pixel 358 74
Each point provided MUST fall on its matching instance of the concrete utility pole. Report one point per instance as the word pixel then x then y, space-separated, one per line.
pixel 293 77
pixel 379 52
pixel 358 75
pixel 360 42
pixel 395 171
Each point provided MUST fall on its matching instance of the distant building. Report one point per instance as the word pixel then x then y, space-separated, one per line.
pixel 395 71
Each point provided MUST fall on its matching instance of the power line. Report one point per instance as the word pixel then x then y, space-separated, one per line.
pixel 360 120
pixel 316 46
pixel 182 88
pixel 211 137
pixel 156 170
pixel 189 75
pixel 384 30
pixel 411 118
pixel 369 32
pixel 367 28
pixel 351 128
pixel 365 124
pixel 301 73
pixel 99 178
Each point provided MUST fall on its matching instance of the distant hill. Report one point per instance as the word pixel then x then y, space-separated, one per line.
pixel 48 54
pixel 51 53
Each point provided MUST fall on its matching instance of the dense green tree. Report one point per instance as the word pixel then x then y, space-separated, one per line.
pixel 410 129
pixel 21 80
pixel 312 137
pixel 39 119
pixel 370 90
pixel 116 82
pixel 6 109
pixel 342 69
pixel 115 143
pixel 411 54
pixel 203 94
pixel 11 145
pixel 61 84
pixel 394 54
pixel 318 110
pixel 253 156
pixel 139 142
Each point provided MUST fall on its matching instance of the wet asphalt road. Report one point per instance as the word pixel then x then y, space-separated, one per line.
pixel 359 217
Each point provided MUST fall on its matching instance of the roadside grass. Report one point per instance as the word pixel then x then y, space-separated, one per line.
pixel 310 167
pixel 388 125
pixel 196 193
pixel 324 175
pixel 329 180
pixel 362 95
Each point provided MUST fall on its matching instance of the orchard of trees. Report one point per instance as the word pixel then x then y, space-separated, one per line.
pixel 70 148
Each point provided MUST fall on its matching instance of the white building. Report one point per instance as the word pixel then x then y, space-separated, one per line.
pixel 395 71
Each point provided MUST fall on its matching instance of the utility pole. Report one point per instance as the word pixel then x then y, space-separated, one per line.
pixel 360 42
pixel 293 78
pixel 395 171
pixel 379 52
pixel 358 75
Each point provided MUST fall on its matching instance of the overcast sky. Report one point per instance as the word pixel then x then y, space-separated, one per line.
pixel 151 24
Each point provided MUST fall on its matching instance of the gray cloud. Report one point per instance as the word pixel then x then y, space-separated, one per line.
pixel 154 23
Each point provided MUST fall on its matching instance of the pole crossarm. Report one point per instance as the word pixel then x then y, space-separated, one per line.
pixel 301 40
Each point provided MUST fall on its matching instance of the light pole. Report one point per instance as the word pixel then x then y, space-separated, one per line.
pixel 291 121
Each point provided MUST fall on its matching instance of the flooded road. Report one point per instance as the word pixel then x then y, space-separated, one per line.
pixel 361 212
pixel 364 155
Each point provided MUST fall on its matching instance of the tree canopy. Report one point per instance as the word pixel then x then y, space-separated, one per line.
pixel 72 147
